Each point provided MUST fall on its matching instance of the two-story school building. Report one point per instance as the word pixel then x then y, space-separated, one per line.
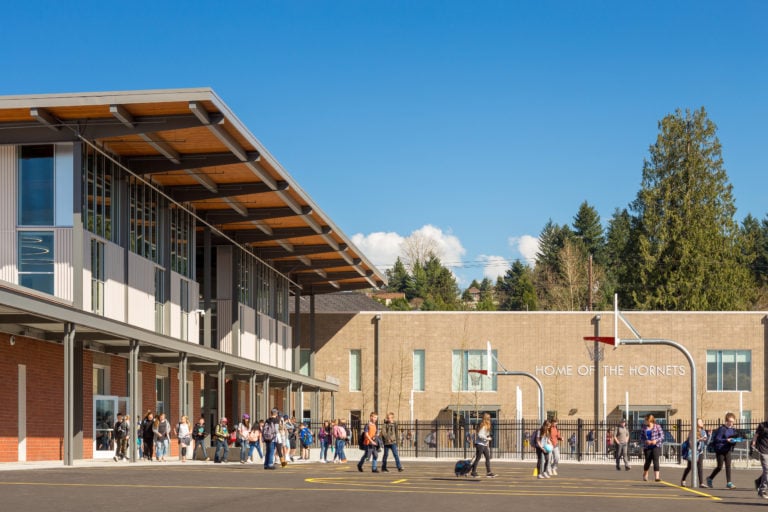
pixel 416 364
pixel 150 247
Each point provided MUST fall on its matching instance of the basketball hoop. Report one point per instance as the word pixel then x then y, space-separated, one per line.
pixel 596 350
pixel 474 376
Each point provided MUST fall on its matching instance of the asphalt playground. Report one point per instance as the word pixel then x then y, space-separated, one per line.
pixel 429 486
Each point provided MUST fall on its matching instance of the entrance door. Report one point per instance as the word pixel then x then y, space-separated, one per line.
pixel 105 409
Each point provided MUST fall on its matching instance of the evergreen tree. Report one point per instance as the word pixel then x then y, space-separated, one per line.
pixel 588 229
pixel 440 285
pixel 398 279
pixel 687 237
pixel 516 288
pixel 620 259
pixel 754 244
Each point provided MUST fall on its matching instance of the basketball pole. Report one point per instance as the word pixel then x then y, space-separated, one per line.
pixel 504 371
pixel 639 340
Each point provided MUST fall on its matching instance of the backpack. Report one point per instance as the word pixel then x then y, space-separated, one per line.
pixel 268 431
pixel 120 430
pixel 361 438
pixel 685 450
pixel 306 436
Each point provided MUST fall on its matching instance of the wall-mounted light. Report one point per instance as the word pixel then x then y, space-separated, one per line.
pixel 12 340
pixel 378 317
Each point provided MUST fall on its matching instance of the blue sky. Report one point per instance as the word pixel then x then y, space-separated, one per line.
pixel 470 122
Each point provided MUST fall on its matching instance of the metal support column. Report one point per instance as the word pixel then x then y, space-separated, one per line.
pixel 252 397
pixel 134 408
pixel 183 394
pixel 289 400
pixel 333 404
pixel 300 402
pixel 296 330
pixel 266 407
pixel 207 278
pixel 222 393
pixel 69 393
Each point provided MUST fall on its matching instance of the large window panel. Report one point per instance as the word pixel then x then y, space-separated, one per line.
pixel 36 260
pixel 729 370
pixel 36 186
pixel 465 360
pixel 355 370
pixel 419 359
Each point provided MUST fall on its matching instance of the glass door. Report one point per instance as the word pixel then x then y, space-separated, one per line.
pixel 105 409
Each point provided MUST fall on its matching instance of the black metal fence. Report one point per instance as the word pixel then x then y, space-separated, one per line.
pixel 581 440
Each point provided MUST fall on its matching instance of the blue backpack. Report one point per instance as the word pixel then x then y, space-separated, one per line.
pixel 306 436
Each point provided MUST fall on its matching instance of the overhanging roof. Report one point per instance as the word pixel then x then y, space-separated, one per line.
pixel 191 144
pixel 26 312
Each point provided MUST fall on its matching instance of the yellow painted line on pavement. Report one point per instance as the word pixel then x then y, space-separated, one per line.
pixel 400 481
pixel 694 491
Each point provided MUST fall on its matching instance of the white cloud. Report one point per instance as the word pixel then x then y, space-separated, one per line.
pixel 494 266
pixel 382 249
pixel 527 246
pixel 450 250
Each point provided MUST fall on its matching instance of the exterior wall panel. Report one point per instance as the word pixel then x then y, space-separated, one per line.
pixel 141 292
pixel 248 333
pixel 63 272
pixel 114 288
pixel 224 325
pixel 224 273
pixel 8 253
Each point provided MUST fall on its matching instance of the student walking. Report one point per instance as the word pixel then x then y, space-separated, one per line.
pixel 723 443
pixel 198 434
pixel 221 435
pixel 242 436
pixel 184 436
pixel 148 435
pixel 621 442
pixel 340 438
pixel 268 434
pixel 370 443
pixel 120 434
pixel 554 438
pixel 697 440
pixel 389 436
pixel 482 439
pixel 162 431
pixel 326 438
pixel 254 441
pixel 653 437
pixel 543 446
pixel 760 443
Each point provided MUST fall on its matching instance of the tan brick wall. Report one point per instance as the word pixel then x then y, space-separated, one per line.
pixel 537 343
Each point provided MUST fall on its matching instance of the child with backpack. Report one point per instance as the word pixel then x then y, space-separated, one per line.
pixel 306 437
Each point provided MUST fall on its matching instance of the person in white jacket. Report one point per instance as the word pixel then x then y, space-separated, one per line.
pixel 482 440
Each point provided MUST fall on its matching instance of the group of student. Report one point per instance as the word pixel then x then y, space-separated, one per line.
pixel 722 442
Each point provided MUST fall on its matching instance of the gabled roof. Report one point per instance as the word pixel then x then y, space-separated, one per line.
pixel 340 302
pixel 189 142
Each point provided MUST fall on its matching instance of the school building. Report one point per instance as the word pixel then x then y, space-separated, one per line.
pixel 150 250
pixel 416 364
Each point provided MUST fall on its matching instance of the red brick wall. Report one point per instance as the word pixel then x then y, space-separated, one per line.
pixel 45 397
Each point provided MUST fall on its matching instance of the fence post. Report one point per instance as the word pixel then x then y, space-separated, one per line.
pixel 680 439
pixel 416 440
pixel 579 436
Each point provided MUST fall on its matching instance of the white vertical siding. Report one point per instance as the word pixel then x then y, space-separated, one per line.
pixel 264 347
pixel 248 336
pixel 141 292
pixel 224 325
pixel 63 275
pixel 114 288
pixel 8 254
pixel 175 296
pixel 194 318
pixel 286 344
pixel 87 302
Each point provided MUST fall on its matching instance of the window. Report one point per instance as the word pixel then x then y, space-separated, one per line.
pixel 36 186
pixel 97 277
pixel 418 370
pixel 145 228
pixel 36 260
pixel 99 196
pixel 304 359
pixel 161 390
pixel 100 380
pixel 729 370
pixel 182 241
pixel 355 370
pixel 463 380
